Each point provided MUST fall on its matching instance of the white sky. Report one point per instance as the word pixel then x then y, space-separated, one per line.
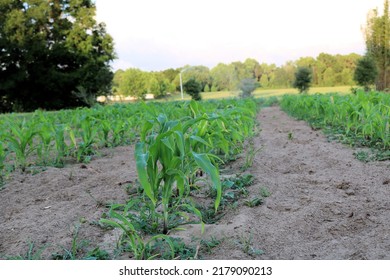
pixel 161 34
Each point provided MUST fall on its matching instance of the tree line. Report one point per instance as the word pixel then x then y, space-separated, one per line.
pixel 54 55
pixel 326 70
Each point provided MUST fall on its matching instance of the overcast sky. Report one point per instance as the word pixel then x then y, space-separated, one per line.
pixel 155 35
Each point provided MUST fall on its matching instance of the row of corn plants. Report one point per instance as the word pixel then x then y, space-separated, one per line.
pixel 174 141
pixel 363 118
pixel 172 148
pixel 51 138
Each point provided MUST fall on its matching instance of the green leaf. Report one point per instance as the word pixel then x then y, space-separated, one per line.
pixel 204 162
pixel 141 163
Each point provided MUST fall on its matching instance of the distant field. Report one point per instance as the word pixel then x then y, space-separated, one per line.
pixel 279 92
pixel 266 92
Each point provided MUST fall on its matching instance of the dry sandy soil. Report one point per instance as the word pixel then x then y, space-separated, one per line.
pixel 324 203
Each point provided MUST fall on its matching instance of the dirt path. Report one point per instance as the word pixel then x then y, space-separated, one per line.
pixel 324 203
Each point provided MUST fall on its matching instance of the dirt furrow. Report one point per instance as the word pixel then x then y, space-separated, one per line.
pixel 325 204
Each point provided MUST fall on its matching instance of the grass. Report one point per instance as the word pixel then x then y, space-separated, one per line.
pixel 264 93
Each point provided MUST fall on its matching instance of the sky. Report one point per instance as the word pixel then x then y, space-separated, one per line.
pixel 155 35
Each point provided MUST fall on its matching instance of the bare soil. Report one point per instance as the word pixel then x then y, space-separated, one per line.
pixel 324 203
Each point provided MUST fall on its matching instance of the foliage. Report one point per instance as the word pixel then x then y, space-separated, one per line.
pixel 377 35
pixel 176 141
pixel 193 88
pixel 362 119
pixel 251 153
pixel 247 86
pixel 132 240
pixel 366 72
pixel 32 253
pixel 326 70
pixel 134 83
pixel 49 51
pixel 303 77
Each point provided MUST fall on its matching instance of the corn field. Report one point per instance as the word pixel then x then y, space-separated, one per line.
pixel 362 119
pixel 173 142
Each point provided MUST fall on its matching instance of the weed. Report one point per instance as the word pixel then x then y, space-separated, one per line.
pixel 98 203
pixel 97 254
pixel 264 192
pixel 132 240
pixel 208 245
pixel 245 243
pixel 76 249
pixel 209 216
pixel 250 156
pixel 181 250
pixel 254 202
pixel 362 156
pixel 31 254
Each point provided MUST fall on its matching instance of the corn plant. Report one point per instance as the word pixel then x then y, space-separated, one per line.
pixel 3 156
pixel 60 144
pixel 44 147
pixel 363 118
pixel 165 159
pixel 85 146
pixel 20 140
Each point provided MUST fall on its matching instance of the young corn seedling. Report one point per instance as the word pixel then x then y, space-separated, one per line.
pixel 164 162
pixel 88 134
pixel 45 145
pixel 20 140
pixel 3 156
pixel 60 144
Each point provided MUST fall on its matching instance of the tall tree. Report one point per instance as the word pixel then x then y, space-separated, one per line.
pixel 377 35
pixel 53 54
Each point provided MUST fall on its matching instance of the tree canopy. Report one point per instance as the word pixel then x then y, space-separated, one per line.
pixel 193 88
pixel 303 78
pixel 366 72
pixel 377 35
pixel 53 54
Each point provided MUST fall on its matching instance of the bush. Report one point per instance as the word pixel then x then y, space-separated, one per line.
pixel 247 86
pixel 366 72
pixel 193 88
pixel 302 79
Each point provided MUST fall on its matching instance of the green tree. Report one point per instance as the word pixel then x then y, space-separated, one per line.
pixel 193 88
pixel 134 83
pixel 253 68
pixel 329 77
pixel 159 85
pixel 303 78
pixel 53 54
pixel 284 76
pixel 366 72
pixel 224 77
pixel 377 35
